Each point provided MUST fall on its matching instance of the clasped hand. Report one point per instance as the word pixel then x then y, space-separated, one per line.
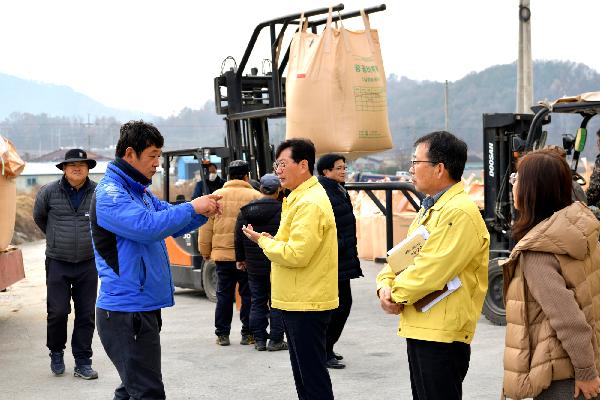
pixel 385 299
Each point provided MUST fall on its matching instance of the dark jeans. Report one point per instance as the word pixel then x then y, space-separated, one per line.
pixel 64 281
pixel 227 276
pixel 437 370
pixel 132 342
pixel 306 331
pixel 339 316
pixel 260 288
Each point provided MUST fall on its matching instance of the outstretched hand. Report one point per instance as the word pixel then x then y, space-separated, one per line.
pixel 253 235
pixel 208 205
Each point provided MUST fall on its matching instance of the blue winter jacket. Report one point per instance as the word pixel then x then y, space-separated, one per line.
pixel 129 225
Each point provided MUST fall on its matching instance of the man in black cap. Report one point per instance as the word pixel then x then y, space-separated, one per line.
pixel 264 215
pixel 216 242
pixel 61 211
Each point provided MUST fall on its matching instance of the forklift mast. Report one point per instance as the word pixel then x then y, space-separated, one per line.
pixel 504 136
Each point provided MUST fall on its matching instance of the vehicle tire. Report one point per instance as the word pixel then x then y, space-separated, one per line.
pixel 209 280
pixel 493 305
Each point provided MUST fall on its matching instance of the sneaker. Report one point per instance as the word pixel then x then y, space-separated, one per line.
pixel 260 345
pixel 57 362
pixel 223 340
pixel 85 372
pixel 247 339
pixel 276 346
pixel 334 363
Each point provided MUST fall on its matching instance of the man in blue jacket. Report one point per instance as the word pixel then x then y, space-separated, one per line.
pixel 129 225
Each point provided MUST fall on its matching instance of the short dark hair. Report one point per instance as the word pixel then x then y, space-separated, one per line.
pixel 138 135
pixel 302 149
pixel 536 199
pixel 447 149
pixel 238 169
pixel 327 161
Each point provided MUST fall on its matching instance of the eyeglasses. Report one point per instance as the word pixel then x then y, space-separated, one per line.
pixel 413 162
pixel 512 179
pixel 282 164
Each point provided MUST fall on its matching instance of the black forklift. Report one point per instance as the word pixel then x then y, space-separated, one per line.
pixel 248 102
pixel 506 137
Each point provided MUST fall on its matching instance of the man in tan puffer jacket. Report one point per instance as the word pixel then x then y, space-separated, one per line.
pixel 216 242
pixel 550 337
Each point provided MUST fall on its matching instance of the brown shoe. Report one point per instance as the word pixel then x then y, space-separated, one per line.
pixel 223 340
pixel 247 339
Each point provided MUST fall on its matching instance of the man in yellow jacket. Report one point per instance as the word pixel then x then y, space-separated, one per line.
pixel 304 272
pixel 438 340
pixel 216 242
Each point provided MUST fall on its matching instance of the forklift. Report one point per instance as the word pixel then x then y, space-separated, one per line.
pixel 506 137
pixel 247 102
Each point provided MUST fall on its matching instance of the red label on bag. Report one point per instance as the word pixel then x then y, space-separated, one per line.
pixel 301 76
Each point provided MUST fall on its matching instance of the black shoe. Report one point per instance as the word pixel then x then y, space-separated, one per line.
pixel 223 340
pixel 277 346
pixel 246 340
pixel 335 363
pixel 85 371
pixel 338 356
pixel 57 362
pixel 260 345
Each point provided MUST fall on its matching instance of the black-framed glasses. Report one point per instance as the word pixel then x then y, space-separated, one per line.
pixel 413 162
pixel 512 179
pixel 282 164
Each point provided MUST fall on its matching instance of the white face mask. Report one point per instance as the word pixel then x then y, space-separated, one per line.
pixel 212 176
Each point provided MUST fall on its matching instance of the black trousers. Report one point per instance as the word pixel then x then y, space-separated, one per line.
pixel 437 370
pixel 132 342
pixel 260 311
pixel 64 281
pixel 306 331
pixel 227 276
pixel 339 316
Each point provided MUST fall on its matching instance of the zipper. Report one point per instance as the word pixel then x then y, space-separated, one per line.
pixel 142 274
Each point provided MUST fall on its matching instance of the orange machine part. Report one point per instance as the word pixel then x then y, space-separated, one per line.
pixel 177 255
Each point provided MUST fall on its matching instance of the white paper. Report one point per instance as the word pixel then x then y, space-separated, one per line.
pixel 452 286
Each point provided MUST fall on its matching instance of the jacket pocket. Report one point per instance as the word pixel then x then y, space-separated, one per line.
pixel 142 274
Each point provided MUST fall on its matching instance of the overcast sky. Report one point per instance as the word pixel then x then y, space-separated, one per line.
pixel 161 56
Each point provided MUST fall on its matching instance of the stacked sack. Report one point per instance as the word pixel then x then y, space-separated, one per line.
pixel 11 166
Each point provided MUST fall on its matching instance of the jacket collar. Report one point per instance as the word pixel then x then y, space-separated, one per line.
pixel 450 192
pixel 567 231
pixel 237 183
pixel 115 171
pixel 310 182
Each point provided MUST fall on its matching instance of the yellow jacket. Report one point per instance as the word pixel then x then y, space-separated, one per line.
pixel 304 268
pixel 216 237
pixel 458 245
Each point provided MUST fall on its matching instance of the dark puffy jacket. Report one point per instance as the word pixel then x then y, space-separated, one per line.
pixel 345 222
pixel 264 215
pixel 68 236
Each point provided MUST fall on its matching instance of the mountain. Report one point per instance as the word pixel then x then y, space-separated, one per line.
pixel 415 108
pixel 24 96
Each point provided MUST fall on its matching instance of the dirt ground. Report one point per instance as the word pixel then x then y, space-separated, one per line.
pixel 25 228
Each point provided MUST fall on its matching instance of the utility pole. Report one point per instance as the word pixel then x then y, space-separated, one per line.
pixel 524 61
pixel 446 116
pixel 89 132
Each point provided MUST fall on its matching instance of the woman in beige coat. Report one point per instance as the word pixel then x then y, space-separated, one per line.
pixel 552 287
